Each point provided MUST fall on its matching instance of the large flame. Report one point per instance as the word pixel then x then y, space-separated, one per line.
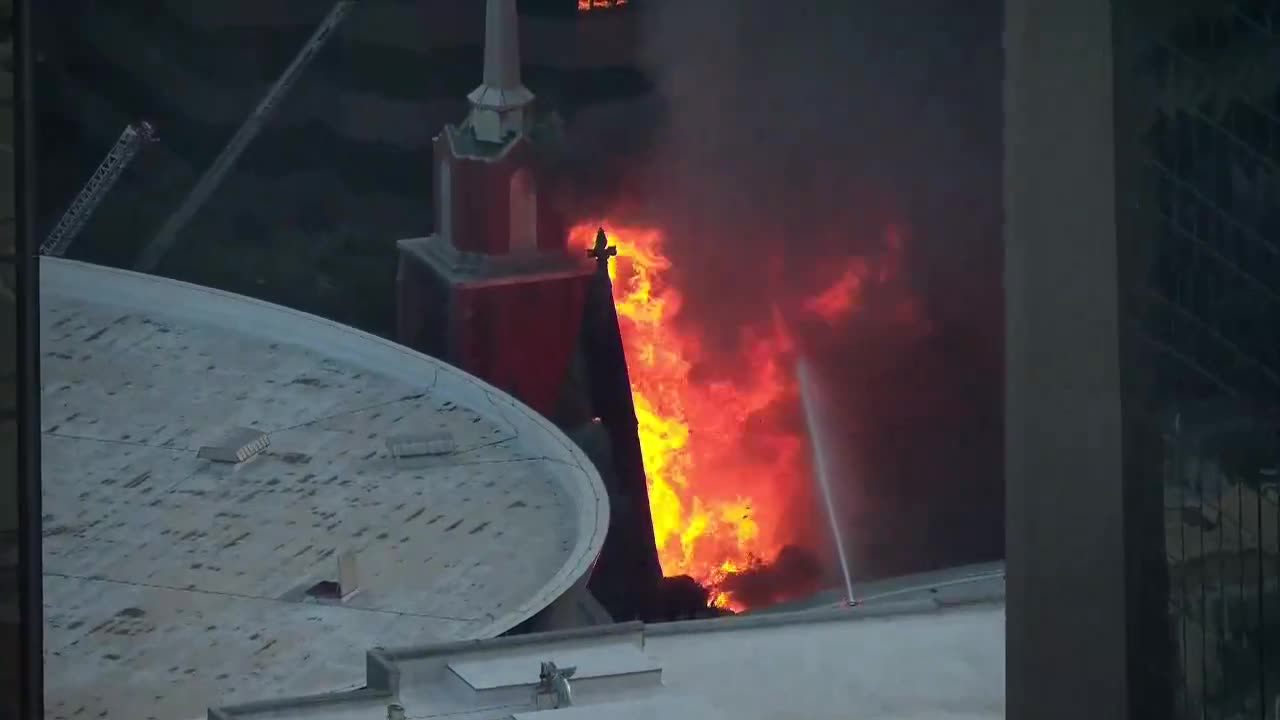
pixel 721 469
pixel 587 5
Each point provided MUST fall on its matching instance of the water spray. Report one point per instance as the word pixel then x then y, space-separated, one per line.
pixel 821 472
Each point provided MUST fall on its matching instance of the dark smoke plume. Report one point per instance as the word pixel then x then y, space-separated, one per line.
pixel 796 573
pixel 794 135
pixel 798 133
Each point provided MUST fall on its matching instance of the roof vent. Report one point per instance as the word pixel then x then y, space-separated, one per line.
pixel 348 580
pixel 415 446
pixel 395 711
pixel 345 586
pixel 237 446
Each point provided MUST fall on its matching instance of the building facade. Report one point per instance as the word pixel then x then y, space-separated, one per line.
pixel 1203 175
pixel 495 289
pixel 21 673
pixel 1142 392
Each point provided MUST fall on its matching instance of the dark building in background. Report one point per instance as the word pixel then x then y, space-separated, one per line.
pixel 21 616
pixel 341 158
pixel 1143 343
pixel 10 618
pixel 1201 173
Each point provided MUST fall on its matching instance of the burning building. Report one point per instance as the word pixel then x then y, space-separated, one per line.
pixel 704 457
pixel 498 290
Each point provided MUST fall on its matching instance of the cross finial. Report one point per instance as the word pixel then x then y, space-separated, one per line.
pixel 602 250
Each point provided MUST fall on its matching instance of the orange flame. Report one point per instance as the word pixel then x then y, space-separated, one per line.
pixel 837 301
pixel 719 475
pixel 716 488
pixel 847 293
pixel 586 5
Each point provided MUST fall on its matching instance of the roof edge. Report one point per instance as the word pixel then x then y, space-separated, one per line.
pixel 506 642
pixel 199 305
pixel 384 675
pixel 900 608
pixel 257 707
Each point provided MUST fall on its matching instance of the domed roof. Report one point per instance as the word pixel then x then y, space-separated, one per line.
pixel 177 578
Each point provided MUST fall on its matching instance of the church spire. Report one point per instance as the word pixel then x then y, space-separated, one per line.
pixel 497 106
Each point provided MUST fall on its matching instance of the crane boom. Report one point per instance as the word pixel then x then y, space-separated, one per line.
pixel 77 214
pixel 212 177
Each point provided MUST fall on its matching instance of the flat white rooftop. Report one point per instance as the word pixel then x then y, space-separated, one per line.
pixel 173 583
pixel 930 649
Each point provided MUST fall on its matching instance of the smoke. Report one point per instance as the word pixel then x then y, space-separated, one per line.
pixel 800 131
pixel 797 134
pixel 795 573
pixel 794 136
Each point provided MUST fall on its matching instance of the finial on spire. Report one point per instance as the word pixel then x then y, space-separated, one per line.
pixel 602 251
pixel 497 106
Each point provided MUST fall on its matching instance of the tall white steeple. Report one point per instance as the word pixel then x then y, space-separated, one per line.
pixel 498 105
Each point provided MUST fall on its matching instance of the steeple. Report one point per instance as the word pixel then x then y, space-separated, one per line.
pixel 497 106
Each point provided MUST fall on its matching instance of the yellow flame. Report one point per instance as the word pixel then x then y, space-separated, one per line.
pixel 586 5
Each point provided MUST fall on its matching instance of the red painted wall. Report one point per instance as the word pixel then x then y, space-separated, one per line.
pixel 422 308
pixel 553 229
pixel 480 196
pixel 482 200
pixel 520 336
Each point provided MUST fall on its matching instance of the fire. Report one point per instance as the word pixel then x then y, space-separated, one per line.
pixel 847 293
pixel 720 471
pixel 838 300
pixel 586 5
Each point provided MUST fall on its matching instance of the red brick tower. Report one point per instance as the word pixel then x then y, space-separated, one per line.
pixel 495 290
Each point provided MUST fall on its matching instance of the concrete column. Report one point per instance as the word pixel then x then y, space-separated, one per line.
pixel 21 619
pixel 1066 653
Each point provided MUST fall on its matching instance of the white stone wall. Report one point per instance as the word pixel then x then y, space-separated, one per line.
pixel 937 665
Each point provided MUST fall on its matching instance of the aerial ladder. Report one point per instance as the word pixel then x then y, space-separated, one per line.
pixel 117 159
pixel 212 177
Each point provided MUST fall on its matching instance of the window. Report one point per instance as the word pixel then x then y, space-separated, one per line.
pixel 1203 174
